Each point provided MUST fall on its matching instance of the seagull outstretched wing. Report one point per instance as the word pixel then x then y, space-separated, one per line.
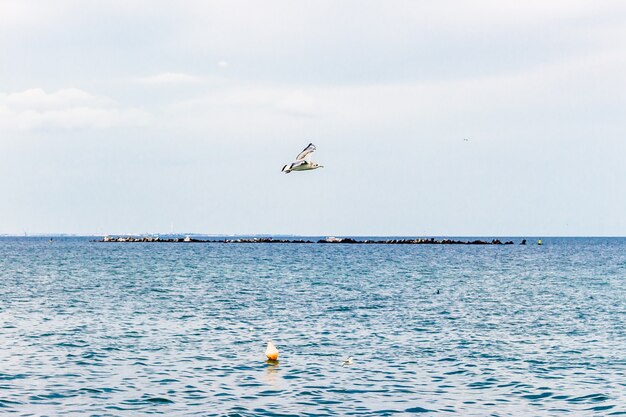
pixel 310 148
pixel 293 165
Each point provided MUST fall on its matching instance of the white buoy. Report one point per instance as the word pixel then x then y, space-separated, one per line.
pixel 271 352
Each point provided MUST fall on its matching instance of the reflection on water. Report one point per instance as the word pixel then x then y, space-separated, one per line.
pixel 125 329
pixel 272 375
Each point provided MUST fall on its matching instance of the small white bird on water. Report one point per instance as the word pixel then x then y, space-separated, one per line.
pixel 303 163
pixel 347 361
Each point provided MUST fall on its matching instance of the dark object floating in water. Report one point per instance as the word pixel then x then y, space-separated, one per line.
pixel 331 240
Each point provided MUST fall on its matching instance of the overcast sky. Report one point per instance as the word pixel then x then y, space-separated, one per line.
pixel 139 116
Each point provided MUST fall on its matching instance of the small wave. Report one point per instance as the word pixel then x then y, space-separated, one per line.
pixel 537 396
pixel 418 410
pixel 167 381
pixel 8 403
pixel 77 344
pixel 601 408
pixel 591 398
pixel 148 400
pixel 480 385
pixel 159 400
pixel 91 390
pixel 460 371
pixel 269 392
pixel 9 377
pixel 53 396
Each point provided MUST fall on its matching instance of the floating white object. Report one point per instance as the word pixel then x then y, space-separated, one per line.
pixel 271 352
pixel 303 163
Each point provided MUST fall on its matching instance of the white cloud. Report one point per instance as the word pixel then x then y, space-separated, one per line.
pixel 547 94
pixel 38 99
pixel 171 78
pixel 17 13
pixel 67 108
pixel 342 26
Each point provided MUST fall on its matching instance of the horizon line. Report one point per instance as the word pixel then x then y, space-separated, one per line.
pixel 301 235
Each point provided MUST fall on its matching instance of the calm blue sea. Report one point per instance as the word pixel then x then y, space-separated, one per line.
pixel 180 329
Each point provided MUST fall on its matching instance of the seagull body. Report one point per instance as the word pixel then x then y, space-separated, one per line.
pixel 347 361
pixel 303 163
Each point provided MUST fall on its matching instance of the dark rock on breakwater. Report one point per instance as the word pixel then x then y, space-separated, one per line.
pixel 328 240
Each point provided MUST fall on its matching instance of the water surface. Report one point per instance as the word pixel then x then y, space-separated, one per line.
pixel 180 329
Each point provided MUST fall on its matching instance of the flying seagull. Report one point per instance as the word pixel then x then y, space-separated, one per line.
pixel 302 163
pixel 347 361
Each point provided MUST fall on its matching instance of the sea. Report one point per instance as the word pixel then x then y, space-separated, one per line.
pixel 180 329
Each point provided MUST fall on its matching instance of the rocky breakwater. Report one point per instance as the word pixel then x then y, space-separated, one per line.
pixel 328 240
pixel 420 241
pixel 149 239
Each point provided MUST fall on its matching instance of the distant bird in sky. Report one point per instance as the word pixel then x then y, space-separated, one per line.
pixel 466 140
pixel 303 162
pixel 348 361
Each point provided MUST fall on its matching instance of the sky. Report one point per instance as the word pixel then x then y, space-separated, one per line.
pixel 482 118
